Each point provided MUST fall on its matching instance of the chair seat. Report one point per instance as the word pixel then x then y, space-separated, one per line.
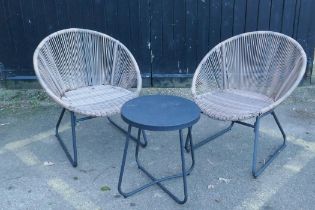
pixel 232 104
pixel 100 100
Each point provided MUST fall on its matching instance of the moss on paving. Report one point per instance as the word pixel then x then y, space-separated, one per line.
pixel 12 100
pixel 105 188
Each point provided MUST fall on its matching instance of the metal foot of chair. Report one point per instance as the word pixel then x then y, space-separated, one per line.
pixel 256 172
pixel 73 160
pixel 156 181
pixel 214 136
pixel 142 144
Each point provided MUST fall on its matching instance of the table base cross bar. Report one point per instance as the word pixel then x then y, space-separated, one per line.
pixel 156 181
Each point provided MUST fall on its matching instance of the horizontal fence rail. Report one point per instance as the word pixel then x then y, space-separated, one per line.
pixel 167 37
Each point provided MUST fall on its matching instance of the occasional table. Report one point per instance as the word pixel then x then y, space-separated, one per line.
pixel 160 113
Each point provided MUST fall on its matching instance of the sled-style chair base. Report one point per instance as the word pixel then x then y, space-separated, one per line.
pixel 74 120
pixel 255 171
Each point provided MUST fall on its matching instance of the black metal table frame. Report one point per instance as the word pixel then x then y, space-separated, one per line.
pixel 157 181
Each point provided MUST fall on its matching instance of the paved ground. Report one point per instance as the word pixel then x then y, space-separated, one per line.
pixel 221 179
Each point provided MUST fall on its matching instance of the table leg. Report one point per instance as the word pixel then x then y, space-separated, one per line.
pixel 122 168
pixel 156 181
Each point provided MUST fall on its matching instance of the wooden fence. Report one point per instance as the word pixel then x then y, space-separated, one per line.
pixel 167 37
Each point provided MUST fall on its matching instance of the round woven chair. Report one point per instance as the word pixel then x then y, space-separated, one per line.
pixel 248 76
pixel 88 73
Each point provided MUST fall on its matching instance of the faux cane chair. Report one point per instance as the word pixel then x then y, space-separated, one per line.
pixel 248 76
pixel 87 73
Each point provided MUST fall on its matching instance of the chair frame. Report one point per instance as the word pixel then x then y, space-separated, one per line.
pixel 265 112
pixel 73 118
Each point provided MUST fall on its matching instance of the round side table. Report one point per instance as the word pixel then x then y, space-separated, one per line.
pixel 160 113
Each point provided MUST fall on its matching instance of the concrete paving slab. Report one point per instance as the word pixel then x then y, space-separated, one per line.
pixel 221 178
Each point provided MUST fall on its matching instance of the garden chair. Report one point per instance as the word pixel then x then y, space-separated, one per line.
pixel 87 73
pixel 248 76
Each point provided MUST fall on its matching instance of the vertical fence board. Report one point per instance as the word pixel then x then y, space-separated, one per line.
pixel 16 32
pixel 214 24
pixel 123 22
pixel 112 17
pixel 134 27
pixel 74 14
pixel 28 31
pixel 203 30
pixel 227 16
pixel 239 17
pixel 39 19
pixel 311 41
pixel 251 15
pixel 303 29
pixel 179 36
pixel 62 14
pixel 50 10
pixel 6 42
pixel 156 35
pixel 191 35
pixel 144 45
pixel 100 15
pixel 276 15
pixel 168 45
pixel 264 15
pixel 289 14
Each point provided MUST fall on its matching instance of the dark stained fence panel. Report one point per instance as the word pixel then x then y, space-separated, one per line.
pixel 62 12
pixel 214 24
pixel 239 22
pixel 264 14
pixel 203 29
pixel 6 42
pixel 289 15
pixel 156 37
pixel 144 57
pixel 179 36
pixel 252 14
pixel 191 36
pixel 167 37
pixel 227 19
pixel 276 14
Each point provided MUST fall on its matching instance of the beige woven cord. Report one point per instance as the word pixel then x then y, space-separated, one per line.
pixel 248 75
pixel 87 72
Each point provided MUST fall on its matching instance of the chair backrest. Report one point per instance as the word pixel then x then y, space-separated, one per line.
pixel 265 62
pixel 74 58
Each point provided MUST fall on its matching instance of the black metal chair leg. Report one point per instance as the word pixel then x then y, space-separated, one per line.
pixel 187 144
pixel 142 144
pixel 280 127
pixel 192 151
pixel 73 160
pixel 214 136
pixel 256 172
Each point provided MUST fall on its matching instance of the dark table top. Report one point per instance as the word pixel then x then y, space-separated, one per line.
pixel 160 112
